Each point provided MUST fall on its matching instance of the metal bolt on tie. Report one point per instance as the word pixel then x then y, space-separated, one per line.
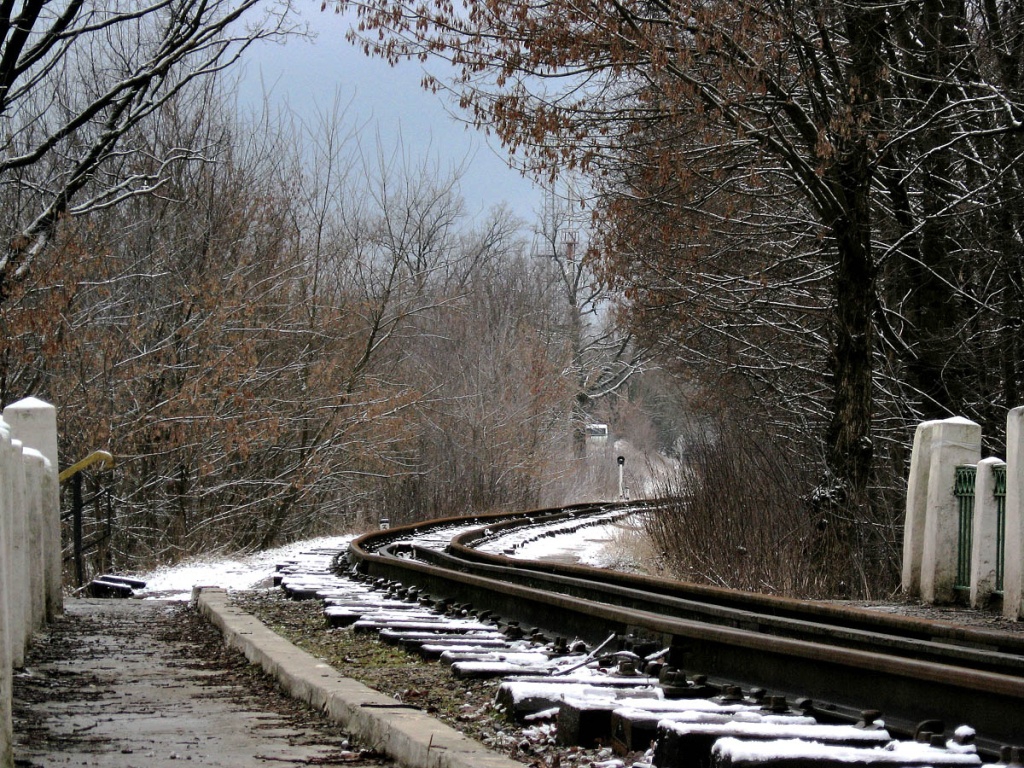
pixel 732 693
pixel 776 704
pixel 653 669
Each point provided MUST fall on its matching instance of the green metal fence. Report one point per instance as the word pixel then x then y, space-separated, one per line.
pixel 999 474
pixel 963 490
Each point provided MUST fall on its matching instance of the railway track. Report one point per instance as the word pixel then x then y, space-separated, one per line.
pixel 836 665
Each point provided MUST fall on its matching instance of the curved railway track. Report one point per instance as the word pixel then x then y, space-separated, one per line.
pixel 834 661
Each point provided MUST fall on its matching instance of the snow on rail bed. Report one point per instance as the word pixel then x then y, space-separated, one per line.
pixel 596 702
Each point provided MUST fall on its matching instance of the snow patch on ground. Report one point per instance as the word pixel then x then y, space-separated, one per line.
pixel 588 545
pixel 248 572
pixel 597 546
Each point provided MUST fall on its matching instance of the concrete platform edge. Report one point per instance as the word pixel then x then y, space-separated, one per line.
pixel 407 735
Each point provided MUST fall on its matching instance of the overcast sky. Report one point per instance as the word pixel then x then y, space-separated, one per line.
pixel 385 101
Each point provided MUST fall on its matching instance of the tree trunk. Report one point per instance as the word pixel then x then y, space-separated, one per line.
pixel 849 449
pixel 849 433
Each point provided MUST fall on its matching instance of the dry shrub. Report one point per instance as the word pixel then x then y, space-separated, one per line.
pixel 743 518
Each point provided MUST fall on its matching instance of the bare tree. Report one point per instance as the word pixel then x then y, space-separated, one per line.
pixel 490 431
pixel 77 78
pixel 826 135
pixel 601 354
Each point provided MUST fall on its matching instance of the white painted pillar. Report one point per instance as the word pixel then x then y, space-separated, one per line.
pixel 954 442
pixel 34 422
pixel 6 671
pixel 917 506
pixel 36 470
pixel 985 534
pixel 1013 575
pixel 17 596
pixel 53 559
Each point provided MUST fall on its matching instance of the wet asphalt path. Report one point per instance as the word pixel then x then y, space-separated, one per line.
pixel 126 683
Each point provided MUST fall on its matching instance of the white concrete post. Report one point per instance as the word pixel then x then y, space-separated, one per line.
pixel 17 595
pixel 53 560
pixel 36 470
pixel 34 422
pixel 985 533
pixel 954 442
pixel 6 670
pixel 917 506
pixel 1013 573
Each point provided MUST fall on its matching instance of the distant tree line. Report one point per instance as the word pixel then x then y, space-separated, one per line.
pixel 274 332
pixel 289 338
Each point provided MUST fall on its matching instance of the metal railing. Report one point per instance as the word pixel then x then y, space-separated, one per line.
pixel 101 499
pixel 999 474
pixel 964 485
pixel 963 491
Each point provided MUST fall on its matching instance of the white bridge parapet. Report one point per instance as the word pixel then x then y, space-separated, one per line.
pixel 931 528
pixel 30 551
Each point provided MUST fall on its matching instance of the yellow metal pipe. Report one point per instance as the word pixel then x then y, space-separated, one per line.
pixel 88 461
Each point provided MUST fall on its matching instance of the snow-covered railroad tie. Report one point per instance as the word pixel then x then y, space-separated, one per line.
pixel 621 694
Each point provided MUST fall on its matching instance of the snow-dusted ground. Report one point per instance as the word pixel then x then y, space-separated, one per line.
pixel 240 573
pixel 591 546
pixel 608 544
pixel 784 737
pixel 588 545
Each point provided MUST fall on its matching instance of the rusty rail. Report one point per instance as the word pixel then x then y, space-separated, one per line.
pixel 846 659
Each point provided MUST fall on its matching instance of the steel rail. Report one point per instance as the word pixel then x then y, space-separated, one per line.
pixel 998 651
pixel 906 689
pixel 807 627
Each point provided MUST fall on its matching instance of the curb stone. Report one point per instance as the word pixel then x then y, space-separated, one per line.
pixel 407 735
